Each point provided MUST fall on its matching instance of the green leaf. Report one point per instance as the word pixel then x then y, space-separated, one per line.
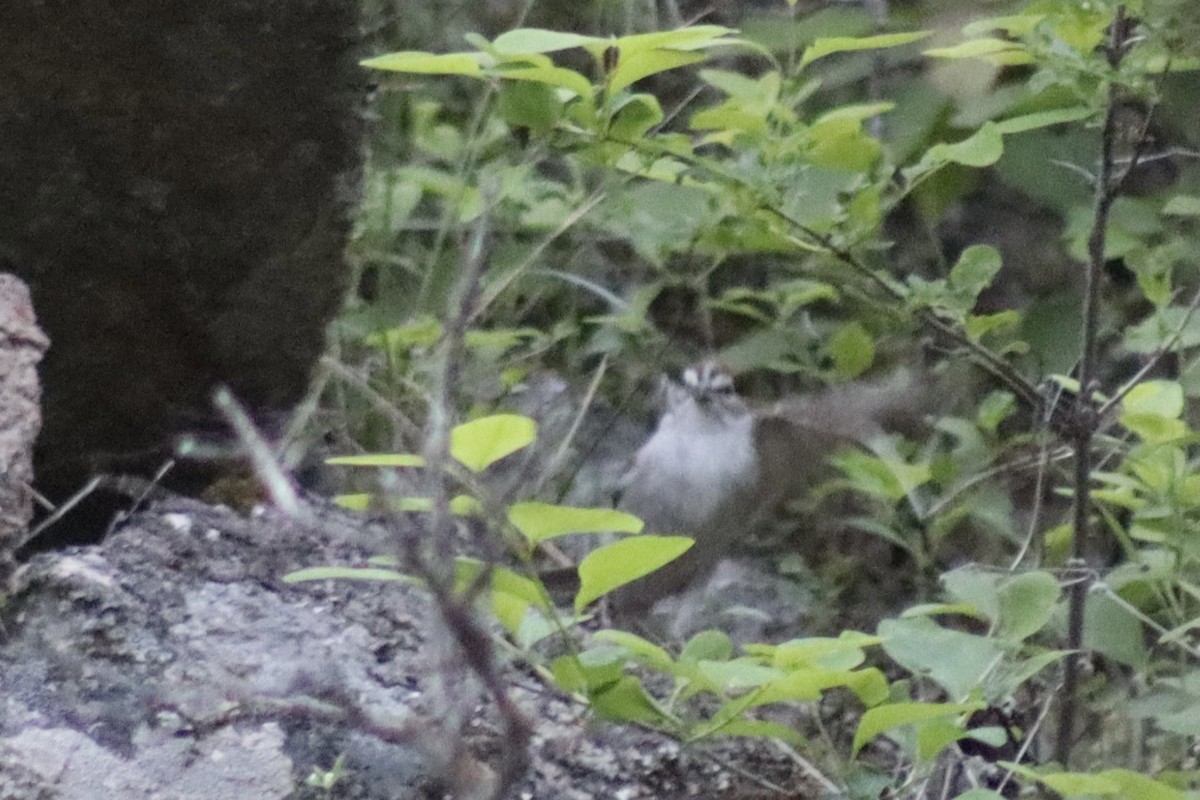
pixel 538 40
pixel 645 651
pixel 627 701
pixel 888 478
pixel 920 645
pixel 422 332
pixel 419 62
pixel 856 113
pixel 1161 327
pixel 354 502
pixel 529 105
pixel 623 561
pixel 347 574
pixel 735 676
pixel 1112 630
pixel 762 92
pixel 1160 397
pixel 975 269
pixel 634 116
pixel 378 460
pixel 844 652
pixel 998 51
pixel 569 674
pixel 839 143
pixel 1026 602
pixel 808 683
pixel 841 44
pixel 709 645
pixel 980 325
pixel 632 68
pixel 538 522
pixel 1153 429
pixel 994 409
pixel 983 148
pixel 1183 205
pixel 557 77
pixel 853 350
pixel 481 442
pixel 1042 119
pixel 937 609
pixel 934 735
pixel 1152 410
pixel 693 37
pixel 979 794
pixel 1121 783
pixel 884 718
pixel 977 587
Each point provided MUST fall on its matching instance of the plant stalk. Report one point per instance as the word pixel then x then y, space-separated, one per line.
pixel 1086 417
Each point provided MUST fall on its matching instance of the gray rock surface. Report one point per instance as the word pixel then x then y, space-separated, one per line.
pixel 172 661
pixel 22 344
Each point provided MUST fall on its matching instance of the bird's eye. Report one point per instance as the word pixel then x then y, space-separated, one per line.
pixel 720 383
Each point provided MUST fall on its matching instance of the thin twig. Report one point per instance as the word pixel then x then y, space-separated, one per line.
pixel 1087 421
pixel 474 646
pixel 275 481
pixel 494 290
pixel 560 453
pixel 61 510
pixel 1033 532
pixel 1028 740
pixel 400 422
pixel 748 775
pixel 809 769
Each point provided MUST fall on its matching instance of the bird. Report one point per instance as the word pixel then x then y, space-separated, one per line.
pixel 714 467
pixel 697 476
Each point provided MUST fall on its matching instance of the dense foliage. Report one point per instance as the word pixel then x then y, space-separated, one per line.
pixel 815 199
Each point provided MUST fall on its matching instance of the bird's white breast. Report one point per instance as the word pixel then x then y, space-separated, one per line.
pixel 694 463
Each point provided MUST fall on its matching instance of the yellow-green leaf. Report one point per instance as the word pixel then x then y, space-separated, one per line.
pixel 694 37
pixel 481 442
pixel 558 77
pixel 538 40
pixel 623 561
pixel 853 350
pixel 420 62
pixel 989 49
pixel 353 502
pixel 1122 783
pixel 347 573
pixel 981 149
pixel 1042 119
pixel 642 649
pixel 841 44
pixel 1158 397
pixel 631 68
pixel 884 718
pixel 378 460
pixel 541 521
pixel 975 269
pixel 626 701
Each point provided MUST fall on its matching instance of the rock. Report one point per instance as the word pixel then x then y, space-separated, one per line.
pixel 172 660
pixel 178 180
pixel 22 344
